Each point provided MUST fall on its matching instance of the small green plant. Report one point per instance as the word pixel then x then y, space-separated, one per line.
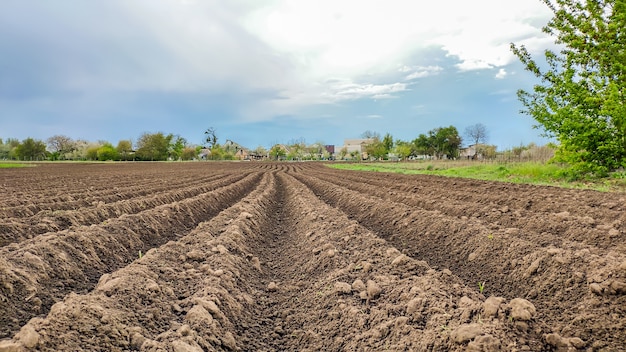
pixel 481 287
pixel 490 236
pixel 140 255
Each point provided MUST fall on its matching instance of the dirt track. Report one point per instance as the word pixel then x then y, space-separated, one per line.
pixel 267 257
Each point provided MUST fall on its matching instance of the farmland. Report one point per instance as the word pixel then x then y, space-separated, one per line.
pixel 298 256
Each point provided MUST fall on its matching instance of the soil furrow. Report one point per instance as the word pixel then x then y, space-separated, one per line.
pixel 543 228
pixel 519 196
pixel 480 255
pixel 39 272
pixel 183 295
pixel 110 195
pixel 26 228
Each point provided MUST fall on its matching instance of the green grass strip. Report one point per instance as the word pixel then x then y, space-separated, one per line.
pixel 514 172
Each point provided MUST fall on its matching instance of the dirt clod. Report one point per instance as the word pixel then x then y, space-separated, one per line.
pixel 373 289
pixel 485 343
pixel 466 332
pixel 272 286
pixel 522 309
pixel 343 288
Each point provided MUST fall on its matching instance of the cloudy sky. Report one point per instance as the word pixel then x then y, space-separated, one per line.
pixel 265 72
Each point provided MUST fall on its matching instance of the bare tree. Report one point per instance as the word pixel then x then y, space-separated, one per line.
pixel 478 134
pixel 211 137
pixel 371 135
pixel 61 145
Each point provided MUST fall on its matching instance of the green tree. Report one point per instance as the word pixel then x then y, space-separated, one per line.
pixel 106 152
pixel 277 152
pixel 441 142
pixel 422 145
pixel 387 143
pixel 177 147
pixel 31 149
pixel 376 150
pixel 5 150
pixel 342 153
pixel 189 153
pixel 580 100
pixel 124 149
pixel 92 152
pixel 402 149
pixel 296 149
pixel 154 146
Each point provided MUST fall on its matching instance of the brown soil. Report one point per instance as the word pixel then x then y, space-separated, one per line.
pixel 272 257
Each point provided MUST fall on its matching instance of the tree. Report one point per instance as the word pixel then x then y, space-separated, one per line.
pixel 7 149
pixel 277 152
pixel 489 151
pixel 297 149
pixel 422 145
pixel 218 153
pixel 153 146
pixel 387 143
pixel 440 142
pixel 210 137
pixel 402 149
pixel 189 153
pixel 60 146
pixel 31 149
pixel 342 153
pixel 376 150
pixel 106 152
pixel 370 135
pixel 580 99
pixel 124 149
pixel 91 152
pixel 478 134
pixel 177 147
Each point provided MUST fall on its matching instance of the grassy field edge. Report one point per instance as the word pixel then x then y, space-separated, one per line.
pixel 546 174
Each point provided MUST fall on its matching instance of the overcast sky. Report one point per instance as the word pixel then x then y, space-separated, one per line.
pixel 265 72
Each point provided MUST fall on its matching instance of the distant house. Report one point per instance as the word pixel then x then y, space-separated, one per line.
pixel 357 145
pixel 240 152
pixel 205 154
pixel 473 151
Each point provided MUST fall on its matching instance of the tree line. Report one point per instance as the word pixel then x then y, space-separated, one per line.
pixel 149 147
pixel 438 143
pixel 443 142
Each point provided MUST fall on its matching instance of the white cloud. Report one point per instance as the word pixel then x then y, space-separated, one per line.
pixel 354 35
pixel 352 91
pixel 420 71
pixel 278 55
pixel 501 73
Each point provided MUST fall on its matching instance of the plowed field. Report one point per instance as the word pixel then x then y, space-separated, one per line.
pixel 300 257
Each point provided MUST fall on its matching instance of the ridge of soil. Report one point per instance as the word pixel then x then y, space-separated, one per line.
pixel 296 256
